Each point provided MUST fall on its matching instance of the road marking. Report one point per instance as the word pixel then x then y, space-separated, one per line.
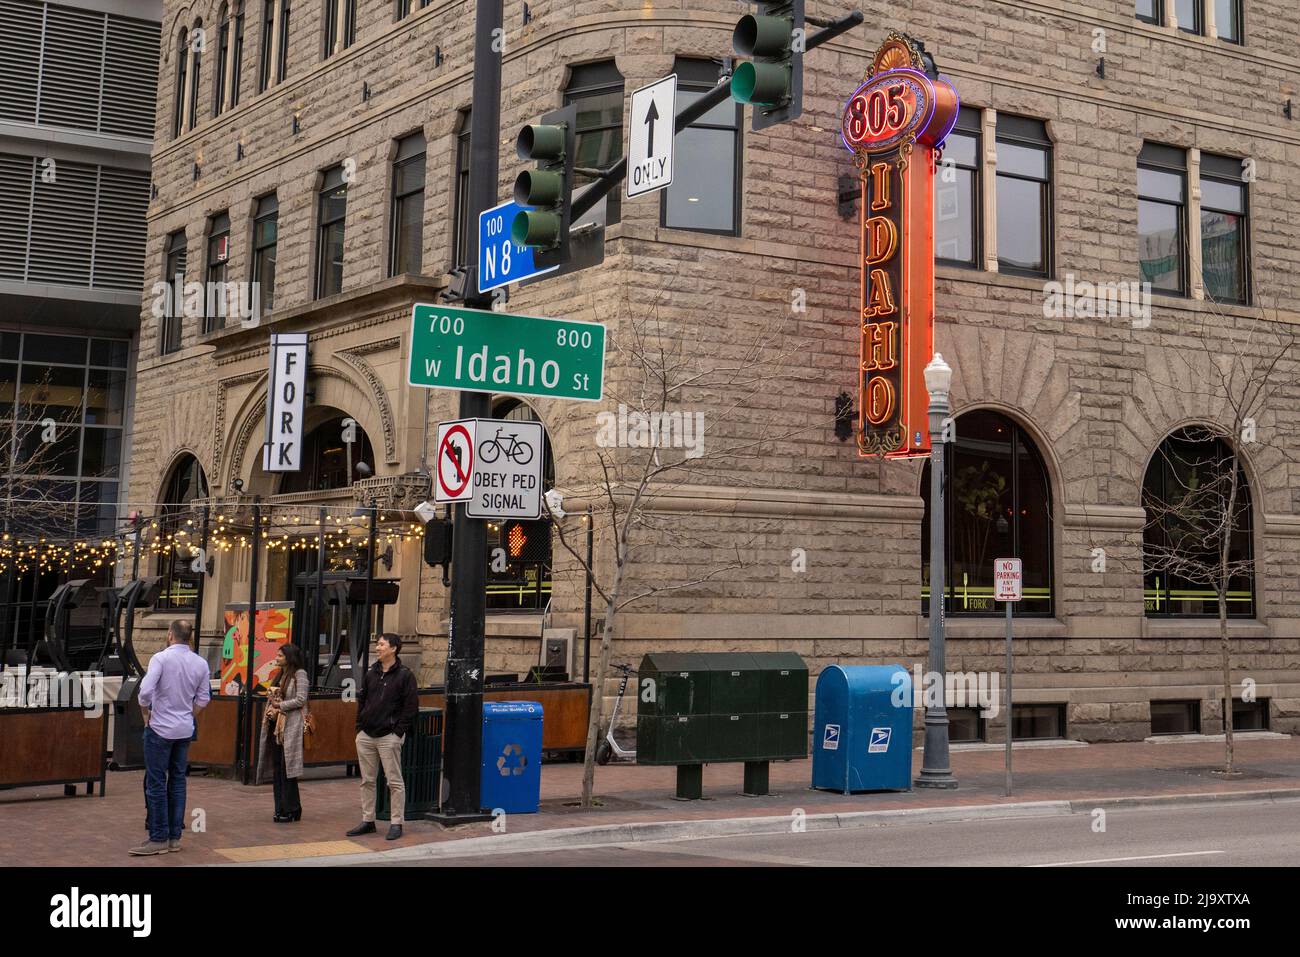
pixel 1117 860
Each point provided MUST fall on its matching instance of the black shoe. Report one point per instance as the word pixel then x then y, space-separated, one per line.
pixel 365 827
pixel 394 832
pixel 288 818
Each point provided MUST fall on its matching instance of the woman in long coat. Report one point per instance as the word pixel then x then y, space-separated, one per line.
pixel 280 752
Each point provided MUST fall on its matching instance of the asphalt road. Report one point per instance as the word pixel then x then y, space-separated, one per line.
pixel 1231 834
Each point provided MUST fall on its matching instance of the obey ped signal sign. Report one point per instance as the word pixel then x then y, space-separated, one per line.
pixel 895 124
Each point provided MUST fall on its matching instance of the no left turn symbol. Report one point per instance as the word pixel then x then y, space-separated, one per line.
pixel 455 461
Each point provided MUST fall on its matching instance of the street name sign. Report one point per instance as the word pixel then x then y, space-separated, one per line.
pixel 1006 579
pixel 501 261
pixel 650 137
pixel 455 465
pixel 482 351
pixel 507 470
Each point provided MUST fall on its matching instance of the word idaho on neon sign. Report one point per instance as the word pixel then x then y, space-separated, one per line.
pixel 895 125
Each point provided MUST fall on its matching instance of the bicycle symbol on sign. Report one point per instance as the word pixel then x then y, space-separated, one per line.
pixel 521 453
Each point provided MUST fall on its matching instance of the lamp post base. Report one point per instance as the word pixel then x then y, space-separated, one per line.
pixel 936 779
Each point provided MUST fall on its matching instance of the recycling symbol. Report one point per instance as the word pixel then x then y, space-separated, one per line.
pixel 504 764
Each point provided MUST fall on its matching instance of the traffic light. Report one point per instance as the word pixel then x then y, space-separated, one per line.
pixel 773 81
pixel 548 189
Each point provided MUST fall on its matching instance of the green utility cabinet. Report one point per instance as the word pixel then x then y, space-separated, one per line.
pixel 709 708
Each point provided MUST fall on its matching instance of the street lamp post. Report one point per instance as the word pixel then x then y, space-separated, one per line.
pixel 935 769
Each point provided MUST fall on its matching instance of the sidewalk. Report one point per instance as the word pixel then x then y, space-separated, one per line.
pixel 38 826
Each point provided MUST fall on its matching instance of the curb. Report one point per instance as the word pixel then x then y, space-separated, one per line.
pixel 605 835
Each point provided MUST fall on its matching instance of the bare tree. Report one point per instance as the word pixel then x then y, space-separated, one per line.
pixel 664 383
pixel 1194 525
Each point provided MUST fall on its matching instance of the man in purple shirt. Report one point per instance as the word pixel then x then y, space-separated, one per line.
pixel 173 692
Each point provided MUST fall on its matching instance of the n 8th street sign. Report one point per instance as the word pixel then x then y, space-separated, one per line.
pixel 477 350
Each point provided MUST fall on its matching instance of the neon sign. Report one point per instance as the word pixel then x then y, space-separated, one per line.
pixel 896 110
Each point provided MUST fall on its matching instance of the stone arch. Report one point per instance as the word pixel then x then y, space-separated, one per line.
pixel 333 388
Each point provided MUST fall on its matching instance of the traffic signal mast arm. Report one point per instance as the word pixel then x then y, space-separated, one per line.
pixel 614 175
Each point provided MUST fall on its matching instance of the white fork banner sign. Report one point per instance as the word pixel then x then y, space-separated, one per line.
pixel 284 400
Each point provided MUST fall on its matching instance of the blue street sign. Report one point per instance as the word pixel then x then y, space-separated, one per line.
pixel 501 262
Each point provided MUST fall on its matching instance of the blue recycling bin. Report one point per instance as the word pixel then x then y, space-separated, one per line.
pixel 511 773
pixel 862 737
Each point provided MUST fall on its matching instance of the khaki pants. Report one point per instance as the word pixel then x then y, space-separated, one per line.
pixel 370 752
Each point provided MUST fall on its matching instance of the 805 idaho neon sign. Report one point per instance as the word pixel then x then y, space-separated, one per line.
pixel 894 124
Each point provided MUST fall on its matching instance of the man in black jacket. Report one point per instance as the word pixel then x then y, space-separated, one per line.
pixel 387 705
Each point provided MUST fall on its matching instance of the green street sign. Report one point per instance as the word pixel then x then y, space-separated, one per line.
pixel 482 351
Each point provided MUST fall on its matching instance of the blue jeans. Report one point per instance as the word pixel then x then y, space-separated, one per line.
pixel 165 764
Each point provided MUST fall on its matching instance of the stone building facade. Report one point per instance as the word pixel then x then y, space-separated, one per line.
pixel 1094 398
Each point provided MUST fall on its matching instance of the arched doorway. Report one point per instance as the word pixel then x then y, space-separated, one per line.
pixel 185 483
pixel 998 505
pixel 1185 493
pixel 519 552
pixel 331 453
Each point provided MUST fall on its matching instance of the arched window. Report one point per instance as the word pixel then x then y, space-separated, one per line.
pixel 327 457
pixel 1186 492
pixel 182 61
pixel 999 505
pixel 196 55
pixel 223 57
pixel 519 551
pixel 185 484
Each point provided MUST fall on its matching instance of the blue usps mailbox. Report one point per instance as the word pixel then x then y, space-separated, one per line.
pixel 500 261
pixel 511 770
pixel 862 738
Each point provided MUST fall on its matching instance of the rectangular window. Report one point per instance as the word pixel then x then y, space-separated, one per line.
pixel 957 194
pixel 265 224
pixel 705 194
pixel 1148 10
pixel 408 207
pixel 462 242
pixel 182 59
pixel 1035 721
pixel 597 89
pixel 1024 196
pixel 331 26
pixel 196 57
pixel 1250 715
pixel 1188 13
pixel 214 295
pixel 333 207
pixel 173 274
pixel 237 55
pixel 282 65
pixel 965 725
pixel 1162 218
pixel 268 32
pixel 1224 236
pixel 1227 20
pixel 223 56
pixel 1175 717
pixel 349 22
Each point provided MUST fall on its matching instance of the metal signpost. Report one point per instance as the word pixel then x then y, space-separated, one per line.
pixel 650 169
pixel 476 349
pixel 500 260
pixel 1007 582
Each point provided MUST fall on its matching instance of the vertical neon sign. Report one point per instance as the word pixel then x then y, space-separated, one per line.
pixel 895 125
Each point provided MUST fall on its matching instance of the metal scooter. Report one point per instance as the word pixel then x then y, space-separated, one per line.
pixel 609 748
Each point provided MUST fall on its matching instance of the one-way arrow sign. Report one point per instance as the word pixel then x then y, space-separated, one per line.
pixel 653 109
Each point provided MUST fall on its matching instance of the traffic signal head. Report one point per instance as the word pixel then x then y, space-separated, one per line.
pixel 773 81
pixel 548 189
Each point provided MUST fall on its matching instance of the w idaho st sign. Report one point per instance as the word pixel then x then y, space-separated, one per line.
pixel 477 350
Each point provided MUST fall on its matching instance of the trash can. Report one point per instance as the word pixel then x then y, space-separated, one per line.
pixel 421 769
pixel 511 773
pixel 862 733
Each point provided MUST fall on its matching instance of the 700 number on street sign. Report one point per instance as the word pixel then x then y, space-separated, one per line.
pixel 482 351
